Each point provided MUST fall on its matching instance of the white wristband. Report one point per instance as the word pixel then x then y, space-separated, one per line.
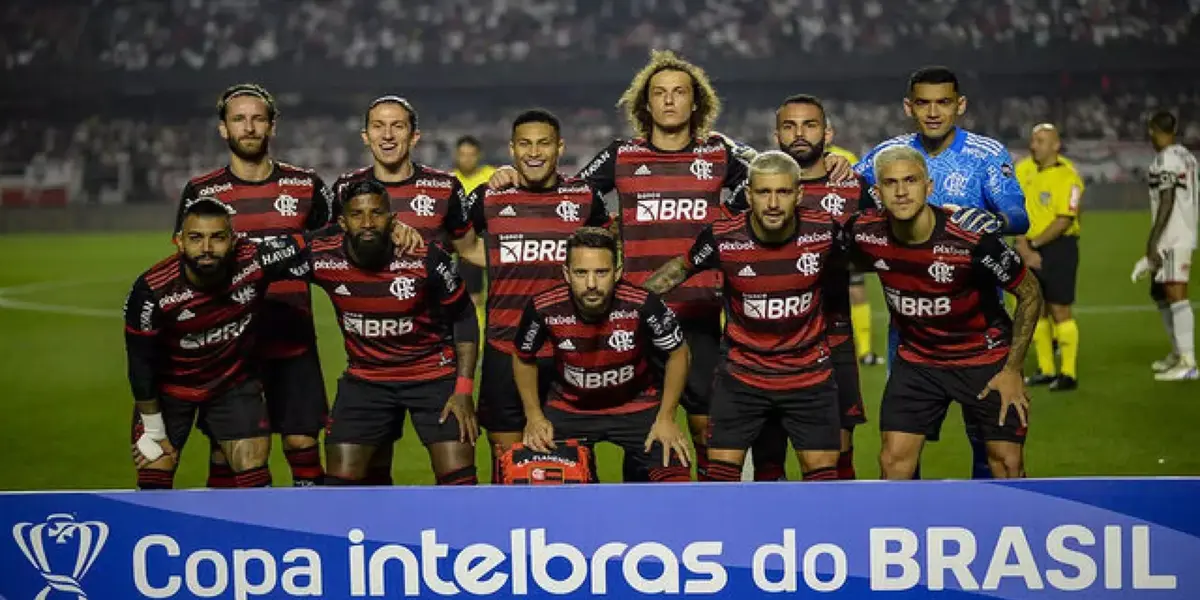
pixel 154 427
pixel 149 448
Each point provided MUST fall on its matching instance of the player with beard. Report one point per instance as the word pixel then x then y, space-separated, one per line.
pixel 669 180
pixel 527 229
pixel 957 341
pixel 190 325
pixel 775 259
pixel 970 171
pixel 601 329
pixel 393 314
pixel 271 199
pixel 429 200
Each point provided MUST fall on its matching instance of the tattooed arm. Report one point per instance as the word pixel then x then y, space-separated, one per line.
pixel 1025 318
pixel 704 255
pixel 668 276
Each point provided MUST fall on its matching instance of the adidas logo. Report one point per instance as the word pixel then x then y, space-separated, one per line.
pixel 747 271
pixel 642 170
pixel 566 345
pixel 508 211
pixel 882 266
pixel 341 290
pixel 185 314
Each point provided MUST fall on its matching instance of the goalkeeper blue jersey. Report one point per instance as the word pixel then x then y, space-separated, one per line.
pixel 974 172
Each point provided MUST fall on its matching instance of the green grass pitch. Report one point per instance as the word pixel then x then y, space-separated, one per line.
pixel 66 402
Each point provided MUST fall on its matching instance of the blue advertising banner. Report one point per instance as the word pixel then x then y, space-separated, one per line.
pixel 1085 538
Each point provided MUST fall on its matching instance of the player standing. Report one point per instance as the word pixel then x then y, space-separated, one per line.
pixel 775 262
pixel 189 330
pixel 969 170
pixel 1172 240
pixel 471 175
pixel 957 342
pixel 527 226
pixel 393 313
pixel 602 329
pixel 1053 192
pixel 270 199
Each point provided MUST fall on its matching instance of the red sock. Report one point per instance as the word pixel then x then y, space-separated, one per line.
pixel 845 465
pixel 825 474
pixel 719 470
pixel 306 466
pixel 378 475
pixel 671 474
pixel 256 477
pixel 771 471
pixel 220 475
pixel 702 464
pixel 155 479
pixel 463 476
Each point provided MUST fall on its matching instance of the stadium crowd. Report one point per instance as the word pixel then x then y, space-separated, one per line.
pixel 203 34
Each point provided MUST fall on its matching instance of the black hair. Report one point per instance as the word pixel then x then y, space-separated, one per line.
pixel 247 89
pixel 402 102
pixel 364 187
pixel 538 115
pixel 468 140
pixel 1163 121
pixel 805 99
pixel 206 206
pixel 593 237
pixel 932 75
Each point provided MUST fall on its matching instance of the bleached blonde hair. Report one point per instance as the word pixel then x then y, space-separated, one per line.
pixel 896 154
pixel 775 162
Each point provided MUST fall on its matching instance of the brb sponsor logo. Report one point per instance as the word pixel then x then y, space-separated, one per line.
pixel 594 380
pixel 375 328
pixel 672 209
pixel 61 532
pixel 917 307
pixel 757 306
pixel 521 250
pixel 216 335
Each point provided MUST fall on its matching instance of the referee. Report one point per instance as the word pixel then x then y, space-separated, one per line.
pixel 1053 190
pixel 471 175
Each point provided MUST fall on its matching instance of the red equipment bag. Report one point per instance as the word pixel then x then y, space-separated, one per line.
pixel 568 462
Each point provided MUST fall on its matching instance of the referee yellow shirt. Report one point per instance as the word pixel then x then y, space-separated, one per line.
pixel 840 151
pixel 480 176
pixel 1050 193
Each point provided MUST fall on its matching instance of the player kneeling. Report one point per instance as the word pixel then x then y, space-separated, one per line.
pixel 393 313
pixel 602 329
pixel 957 342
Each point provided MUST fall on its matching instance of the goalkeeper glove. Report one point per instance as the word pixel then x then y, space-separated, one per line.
pixel 741 150
pixel 975 220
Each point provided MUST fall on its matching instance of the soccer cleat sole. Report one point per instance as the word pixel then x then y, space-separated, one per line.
pixel 1191 374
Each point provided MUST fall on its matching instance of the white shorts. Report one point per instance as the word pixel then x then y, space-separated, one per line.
pixel 1176 264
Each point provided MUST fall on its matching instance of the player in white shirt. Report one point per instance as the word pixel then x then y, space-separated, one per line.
pixel 1173 206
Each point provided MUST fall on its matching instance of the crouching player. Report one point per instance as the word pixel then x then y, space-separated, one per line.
pixel 602 329
pixel 189 327
pixel 393 313
pixel 956 341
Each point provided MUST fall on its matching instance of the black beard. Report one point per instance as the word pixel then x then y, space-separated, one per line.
pixel 209 273
pixel 236 148
pixel 810 160
pixel 371 254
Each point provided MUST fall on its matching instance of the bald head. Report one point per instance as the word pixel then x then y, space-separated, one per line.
pixel 1045 144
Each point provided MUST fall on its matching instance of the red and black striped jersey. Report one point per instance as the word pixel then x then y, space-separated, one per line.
pixel 942 294
pixel 431 201
pixel 775 328
pixel 291 200
pixel 840 200
pixel 602 365
pixel 528 246
pixel 666 200
pixel 393 320
pixel 191 343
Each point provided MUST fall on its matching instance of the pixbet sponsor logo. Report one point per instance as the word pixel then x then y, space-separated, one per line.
pixel 953 250
pixel 175 298
pixel 434 183
pixel 296 181
pixel 215 189
pixel 870 238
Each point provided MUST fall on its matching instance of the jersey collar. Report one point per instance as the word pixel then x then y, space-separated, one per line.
pixel 960 138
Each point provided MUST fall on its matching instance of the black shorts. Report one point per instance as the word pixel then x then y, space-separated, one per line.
pixel 236 414
pixel 500 407
pixel 1060 265
pixel 371 413
pixel 628 431
pixel 295 392
pixel 917 397
pixel 472 277
pixel 704 341
pixel 845 374
pixel 810 416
